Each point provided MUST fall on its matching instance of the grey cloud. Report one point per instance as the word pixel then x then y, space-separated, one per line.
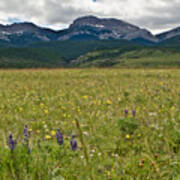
pixel 151 14
pixel 166 16
pixel 56 13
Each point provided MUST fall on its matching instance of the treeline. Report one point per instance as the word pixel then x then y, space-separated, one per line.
pixel 91 53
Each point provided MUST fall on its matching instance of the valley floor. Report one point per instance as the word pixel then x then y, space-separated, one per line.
pixel 129 124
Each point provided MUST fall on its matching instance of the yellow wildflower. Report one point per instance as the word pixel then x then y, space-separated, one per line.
pixel 78 109
pixel 173 108
pixel 53 133
pixel 62 107
pixel 47 137
pixel 46 111
pixel 109 102
pixel 20 109
pixel 128 136
pixel 38 131
pixel 85 97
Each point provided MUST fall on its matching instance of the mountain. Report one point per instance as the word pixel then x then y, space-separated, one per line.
pixel 88 27
pixel 169 34
pixel 25 34
pixel 104 29
pixel 83 28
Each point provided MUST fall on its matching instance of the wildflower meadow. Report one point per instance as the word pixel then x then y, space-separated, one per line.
pixel 97 124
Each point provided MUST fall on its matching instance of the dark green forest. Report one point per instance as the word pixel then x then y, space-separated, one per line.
pixel 91 53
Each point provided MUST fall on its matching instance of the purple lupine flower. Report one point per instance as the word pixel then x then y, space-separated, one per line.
pixel 73 143
pixel 28 150
pixel 26 138
pixel 126 112
pixel 26 131
pixel 59 137
pixel 11 143
pixel 134 112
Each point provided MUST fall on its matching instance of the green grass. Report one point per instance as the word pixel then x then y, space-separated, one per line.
pixel 146 146
pixel 139 58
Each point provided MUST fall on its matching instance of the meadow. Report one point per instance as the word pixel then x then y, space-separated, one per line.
pixel 123 124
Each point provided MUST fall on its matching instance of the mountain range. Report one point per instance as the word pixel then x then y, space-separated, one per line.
pixel 22 41
pixel 89 27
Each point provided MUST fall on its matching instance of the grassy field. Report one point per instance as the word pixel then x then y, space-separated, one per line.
pixel 126 124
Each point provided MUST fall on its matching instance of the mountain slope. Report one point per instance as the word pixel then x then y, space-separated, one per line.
pixel 169 34
pixel 130 58
pixel 72 49
pixel 173 43
pixel 25 34
pixel 104 29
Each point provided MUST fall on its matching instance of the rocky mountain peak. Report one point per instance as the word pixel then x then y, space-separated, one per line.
pixel 169 34
pixel 13 28
pixel 106 28
pixel 104 22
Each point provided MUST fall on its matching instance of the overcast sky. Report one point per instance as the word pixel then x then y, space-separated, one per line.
pixel 155 15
